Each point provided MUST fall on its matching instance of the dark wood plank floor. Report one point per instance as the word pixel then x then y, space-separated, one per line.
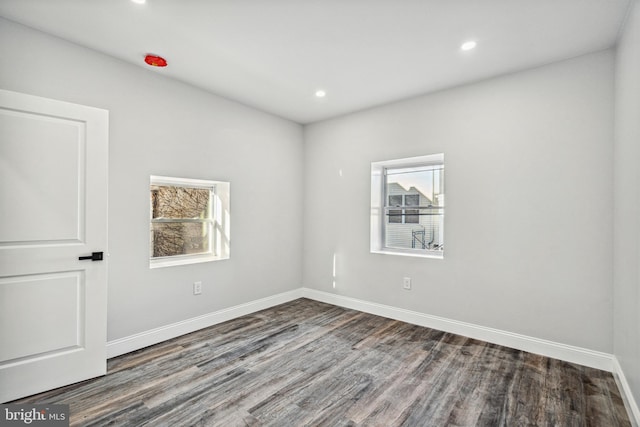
pixel 305 363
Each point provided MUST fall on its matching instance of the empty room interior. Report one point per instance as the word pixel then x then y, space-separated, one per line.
pixel 233 212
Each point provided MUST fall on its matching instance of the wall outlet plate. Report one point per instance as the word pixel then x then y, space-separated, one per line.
pixel 406 283
pixel 197 288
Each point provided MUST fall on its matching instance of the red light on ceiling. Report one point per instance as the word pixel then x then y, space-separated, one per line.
pixel 155 61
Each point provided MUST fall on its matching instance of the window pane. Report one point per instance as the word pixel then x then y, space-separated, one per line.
pixel 426 180
pixel 180 202
pixel 179 238
pixel 395 200
pixel 419 228
pixel 411 216
pixel 426 233
pixel 412 200
pixel 407 206
pixel 395 216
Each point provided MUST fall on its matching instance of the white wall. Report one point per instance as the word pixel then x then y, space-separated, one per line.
pixel 528 180
pixel 529 176
pixel 626 310
pixel 163 127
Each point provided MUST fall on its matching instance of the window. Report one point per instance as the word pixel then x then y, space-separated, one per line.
pixel 407 206
pixel 403 216
pixel 189 221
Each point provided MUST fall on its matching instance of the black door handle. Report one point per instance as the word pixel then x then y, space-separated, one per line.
pixel 95 256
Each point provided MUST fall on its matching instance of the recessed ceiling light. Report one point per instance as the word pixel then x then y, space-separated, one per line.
pixel 321 93
pixel 468 45
pixel 139 1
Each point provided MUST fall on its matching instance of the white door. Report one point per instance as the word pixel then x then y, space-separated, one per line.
pixel 53 210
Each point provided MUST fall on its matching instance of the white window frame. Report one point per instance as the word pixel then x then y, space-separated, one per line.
pixel 219 243
pixel 378 220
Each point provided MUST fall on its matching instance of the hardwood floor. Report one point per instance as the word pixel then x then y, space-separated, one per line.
pixel 308 363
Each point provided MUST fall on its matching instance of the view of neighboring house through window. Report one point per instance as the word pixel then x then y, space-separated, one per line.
pixel 408 206
pixel 189 221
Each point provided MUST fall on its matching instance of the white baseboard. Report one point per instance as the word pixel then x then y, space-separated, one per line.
pixel 560 351
pixel 163 333
pixel 629 402
pixel 547 348
pixel 581 356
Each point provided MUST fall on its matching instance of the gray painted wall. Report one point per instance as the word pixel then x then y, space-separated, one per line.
pixel 162 127
pixel 626 312
pixel 529 160
pixel 528 180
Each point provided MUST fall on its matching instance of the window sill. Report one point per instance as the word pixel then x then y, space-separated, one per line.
pixel 174 261
pixel 433 255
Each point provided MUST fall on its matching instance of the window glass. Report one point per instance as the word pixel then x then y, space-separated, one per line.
pixel 180 202
pixel 395 215
pixel 171 234
pixel 409 217
pixel 189 221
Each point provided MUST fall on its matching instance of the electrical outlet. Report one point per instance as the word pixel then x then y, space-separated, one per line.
pixel 197 288
pixel 406 283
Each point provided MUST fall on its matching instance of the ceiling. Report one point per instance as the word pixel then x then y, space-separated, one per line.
pixel 275 54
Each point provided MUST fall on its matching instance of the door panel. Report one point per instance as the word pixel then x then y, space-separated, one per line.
pixel 53 199
pixel 45 205
pixel 63 328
